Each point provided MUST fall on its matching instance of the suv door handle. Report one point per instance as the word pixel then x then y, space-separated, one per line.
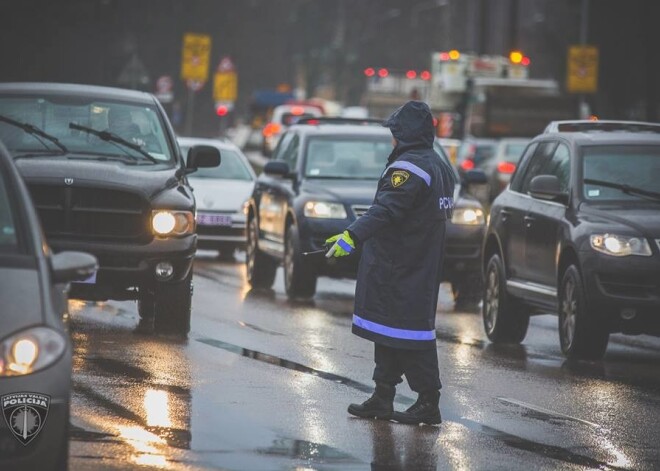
pixel 529 220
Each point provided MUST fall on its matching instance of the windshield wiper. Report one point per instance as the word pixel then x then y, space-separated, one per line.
pixel 113 138
pixel 35 131
pixel 624 188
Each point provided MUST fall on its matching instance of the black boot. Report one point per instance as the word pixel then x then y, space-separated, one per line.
pixel 379 406
pixel 425 411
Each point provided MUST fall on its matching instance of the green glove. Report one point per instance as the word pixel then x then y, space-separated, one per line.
pixel 342 245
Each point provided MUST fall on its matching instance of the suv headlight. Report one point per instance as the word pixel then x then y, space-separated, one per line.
pixel 620 246
pixel 165 223
pixel 324 210
pixel 468 216
pixel 30 350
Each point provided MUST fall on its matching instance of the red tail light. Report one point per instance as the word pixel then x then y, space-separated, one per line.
pixel 467 164
pixel 506 167
pixel 271 129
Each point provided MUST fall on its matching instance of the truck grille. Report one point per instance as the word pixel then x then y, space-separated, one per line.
pixel 359 210
pixel 90 213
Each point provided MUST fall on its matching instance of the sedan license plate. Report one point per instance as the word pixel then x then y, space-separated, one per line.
pixel 214 220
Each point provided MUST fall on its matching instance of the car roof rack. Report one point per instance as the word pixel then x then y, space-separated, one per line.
pixel 602 126
pixel 354 121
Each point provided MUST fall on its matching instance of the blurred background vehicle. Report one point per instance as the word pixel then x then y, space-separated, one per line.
pixel 221 194
pixel 283 117
pixel 451 148
pixel 35 348
pixel 500 168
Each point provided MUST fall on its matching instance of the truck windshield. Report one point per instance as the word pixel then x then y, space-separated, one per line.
pixel 134 123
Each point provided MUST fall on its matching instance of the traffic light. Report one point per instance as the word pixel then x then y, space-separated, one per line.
pixel 411 74
pixel 222 110
pixel 382 73
pixel 425 75
pixel 516 57
pixel 369 72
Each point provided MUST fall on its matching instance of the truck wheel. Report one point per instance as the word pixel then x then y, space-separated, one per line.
pixel 261 268
pixel 504 319
pixel 299 277
pixel 173 305
pixel 467 292
pixel 582 335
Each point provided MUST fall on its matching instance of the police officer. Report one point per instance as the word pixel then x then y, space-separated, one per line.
pixel 402 241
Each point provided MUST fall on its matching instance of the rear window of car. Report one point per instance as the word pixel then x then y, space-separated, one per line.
pixel 513 152
pixel 347 157
pixel 636 166
pixel 8 239
pixel 232 167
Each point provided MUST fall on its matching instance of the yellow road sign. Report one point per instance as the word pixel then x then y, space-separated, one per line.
pixel 225 86
pixel 195 57
pixel 582 70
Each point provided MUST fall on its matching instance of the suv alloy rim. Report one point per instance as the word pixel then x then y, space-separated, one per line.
pixel 288 261
pixel 251 248
pixel 568 312
pixel 492 298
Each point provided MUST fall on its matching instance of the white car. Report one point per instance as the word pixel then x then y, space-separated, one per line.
pixel 283 117
pixel 220 193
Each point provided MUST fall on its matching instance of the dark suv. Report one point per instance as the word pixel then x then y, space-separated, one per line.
pixel 577 233
pixel 323 176
pixel 106 176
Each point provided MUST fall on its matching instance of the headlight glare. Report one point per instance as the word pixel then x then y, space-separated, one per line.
pixel 620 246
pixel 468 216
pixel 31 350
pixel 164 222
pixel 325 210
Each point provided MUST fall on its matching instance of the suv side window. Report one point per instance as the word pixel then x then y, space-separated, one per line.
pixel 535 166
pixel 281 146
pixel 560 166
pixel 516 181
pixel 290 154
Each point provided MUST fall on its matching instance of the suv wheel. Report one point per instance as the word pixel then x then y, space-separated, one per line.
pixel 581 334
pixel 173 305
pixel 299 277
pixel 467 292
pixel 504 319
pixel 261 268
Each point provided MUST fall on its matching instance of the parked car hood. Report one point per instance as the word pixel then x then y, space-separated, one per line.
pixel 645 220
pixel 348 191
pixel 148 179
pixel 21 297
pixel 221 195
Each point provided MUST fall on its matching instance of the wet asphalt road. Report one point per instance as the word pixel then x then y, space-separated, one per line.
pixel 263 384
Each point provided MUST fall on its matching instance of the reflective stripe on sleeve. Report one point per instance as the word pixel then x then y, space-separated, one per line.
pixel 405 165
pixel 393 332
pixel 344 245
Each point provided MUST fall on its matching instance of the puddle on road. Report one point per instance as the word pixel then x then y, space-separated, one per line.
pixel 541 449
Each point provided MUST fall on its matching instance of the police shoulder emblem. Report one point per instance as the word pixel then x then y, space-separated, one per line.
pixel 399 177
pixel 25 414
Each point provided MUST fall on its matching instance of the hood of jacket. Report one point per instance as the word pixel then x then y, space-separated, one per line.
pixel 412 127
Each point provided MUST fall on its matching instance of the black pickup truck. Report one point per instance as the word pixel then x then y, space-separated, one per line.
pixel 105 173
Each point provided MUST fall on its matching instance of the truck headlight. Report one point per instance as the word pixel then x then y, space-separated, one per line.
pixel 620 246
pixel 325 210
pixel 468 216
pixel 164 222
pixel 30 350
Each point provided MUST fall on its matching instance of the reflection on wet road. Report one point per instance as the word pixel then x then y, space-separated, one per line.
pixel 263 383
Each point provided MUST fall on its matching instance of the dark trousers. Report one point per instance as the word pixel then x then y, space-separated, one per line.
pixel 419 366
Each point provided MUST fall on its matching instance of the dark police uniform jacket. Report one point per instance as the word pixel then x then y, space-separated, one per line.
pixel 402 238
